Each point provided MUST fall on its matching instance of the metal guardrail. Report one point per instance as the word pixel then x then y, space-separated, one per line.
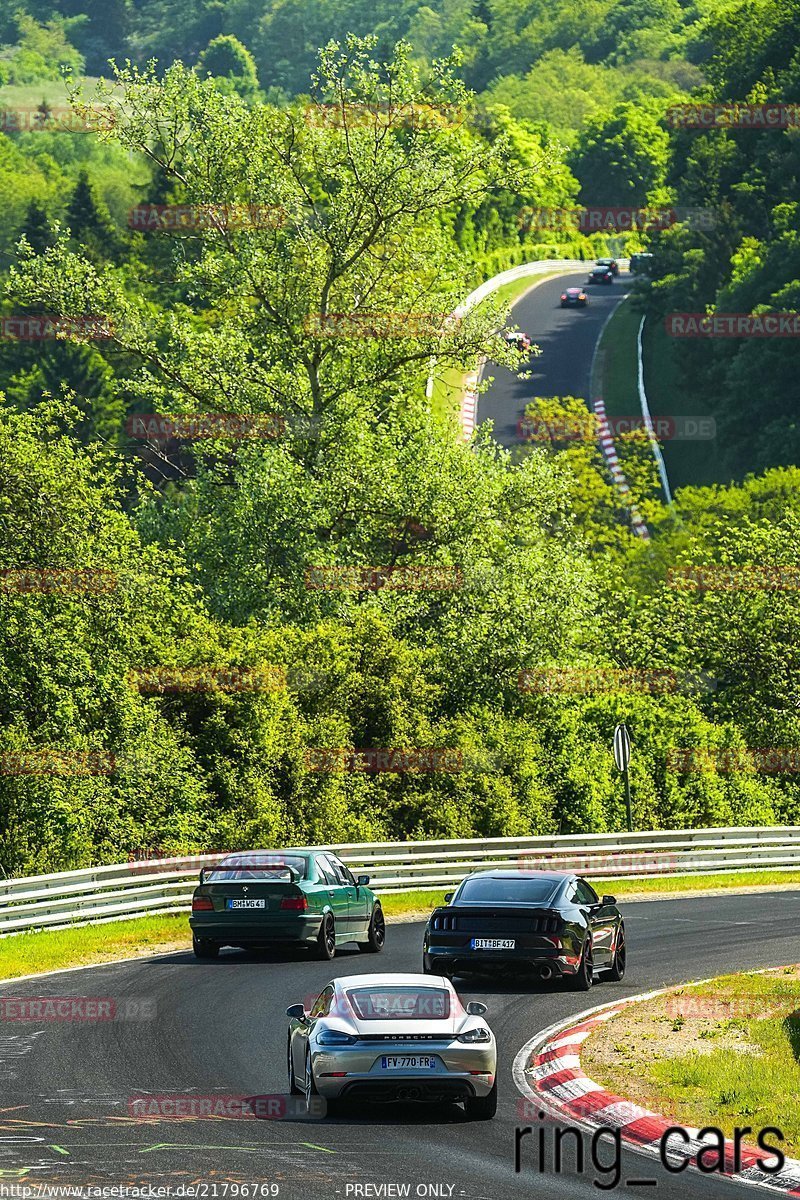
pixel 112 893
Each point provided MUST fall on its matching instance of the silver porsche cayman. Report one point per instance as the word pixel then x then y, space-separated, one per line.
pixel 392 1037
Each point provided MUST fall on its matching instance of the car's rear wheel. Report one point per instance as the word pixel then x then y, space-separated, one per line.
pixel 326 939
pixel 482 1108
pixel 311 1086
pixel 377 932
pixel 616 971
pixel 203 948
pixel 294 1090
pixel 585 976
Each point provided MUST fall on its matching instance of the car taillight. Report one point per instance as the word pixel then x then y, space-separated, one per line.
pixel 294 903
pixel 202 904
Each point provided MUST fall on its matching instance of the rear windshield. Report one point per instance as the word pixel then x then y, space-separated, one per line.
pixel 268 868
pixel 506 891
pixel 400 1003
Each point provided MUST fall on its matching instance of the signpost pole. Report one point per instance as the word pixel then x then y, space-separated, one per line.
pixel 626 776
pixel 622 757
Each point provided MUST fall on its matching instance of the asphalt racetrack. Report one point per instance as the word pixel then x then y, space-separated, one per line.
pixel 218 1029
pixel 566 337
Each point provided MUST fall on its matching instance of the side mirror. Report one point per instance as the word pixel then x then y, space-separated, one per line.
pixel 476 1009
pixel 296 1012
pixel 363 880
pixel 202 876
pixel 448 896
pixel 609 900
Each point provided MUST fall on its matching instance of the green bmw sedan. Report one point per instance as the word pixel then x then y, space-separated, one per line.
pixel 266 898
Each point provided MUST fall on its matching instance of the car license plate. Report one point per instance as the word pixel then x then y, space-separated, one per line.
pixel 247 904
pixel 405 1062
pixel 493 943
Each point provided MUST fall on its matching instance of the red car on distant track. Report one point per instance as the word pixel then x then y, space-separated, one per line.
pixel 519 341
pixel 574 298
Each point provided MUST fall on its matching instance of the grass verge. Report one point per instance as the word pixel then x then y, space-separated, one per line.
pixel 723 1053
pixel 49 950
pixel 690 461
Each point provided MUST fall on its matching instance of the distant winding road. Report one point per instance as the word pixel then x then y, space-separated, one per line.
pixel 567 338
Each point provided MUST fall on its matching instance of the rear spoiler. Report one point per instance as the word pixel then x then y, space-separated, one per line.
pixel 294 874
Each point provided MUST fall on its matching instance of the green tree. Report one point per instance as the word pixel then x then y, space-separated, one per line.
pixel 621 157
pixel 89 222
pixel 36 228
pixel 232 64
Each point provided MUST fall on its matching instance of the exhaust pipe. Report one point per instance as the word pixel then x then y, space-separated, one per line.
pixel 546 971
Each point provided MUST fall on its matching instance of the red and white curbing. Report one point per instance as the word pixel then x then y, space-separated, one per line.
pixel 547 1071
pixel 610 454
pixel 469 402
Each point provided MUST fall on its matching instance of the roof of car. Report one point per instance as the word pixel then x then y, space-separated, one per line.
pixel 574 289
pixel 391 979
pixel 275 854
pixel 499 873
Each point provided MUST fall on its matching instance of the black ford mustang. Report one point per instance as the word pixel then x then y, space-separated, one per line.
pixel 550 923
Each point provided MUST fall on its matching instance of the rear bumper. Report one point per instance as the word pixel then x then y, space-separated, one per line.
pixel 226 930
pixel 464 1070
pixel 550 964
pixel 425 1091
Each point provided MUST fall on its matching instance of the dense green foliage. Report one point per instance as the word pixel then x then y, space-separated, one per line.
pixel 395 206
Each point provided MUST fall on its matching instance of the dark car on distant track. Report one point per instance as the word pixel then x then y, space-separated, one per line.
pixel 574 297
pixel 641 264
pixel 601 275
pixel 550 924
pixel 275 897
pixel 611 263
